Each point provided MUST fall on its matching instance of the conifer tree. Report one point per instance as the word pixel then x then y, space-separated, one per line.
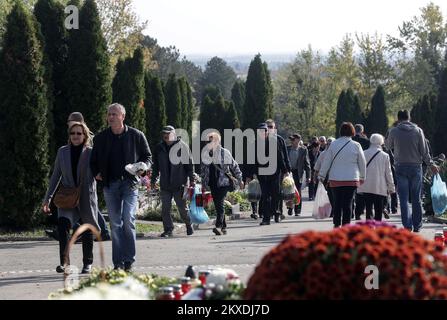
pixel 24 165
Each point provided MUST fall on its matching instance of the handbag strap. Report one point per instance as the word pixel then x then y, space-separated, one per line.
pixel 333 159
pixel 372 158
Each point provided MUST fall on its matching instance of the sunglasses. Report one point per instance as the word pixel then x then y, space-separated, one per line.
pixel 271 127
pixel 76 133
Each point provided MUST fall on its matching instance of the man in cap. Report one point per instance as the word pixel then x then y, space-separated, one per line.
pixel 173 177
pixel 299 162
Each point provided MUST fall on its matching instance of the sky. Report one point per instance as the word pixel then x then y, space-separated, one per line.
pixel 230 27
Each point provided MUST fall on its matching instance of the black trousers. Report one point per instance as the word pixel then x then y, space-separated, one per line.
pixel 296 179
pixel 359 205
pixel 270 196
pixel 343 198
pixel 219 195
pixel 391 205
pixel 64 227
pixel 376 201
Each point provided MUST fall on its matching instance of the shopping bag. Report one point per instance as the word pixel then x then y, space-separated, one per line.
pixel 197 214
pixel 254 191
pixel 439 195
pixel 288 188
pixel 322 207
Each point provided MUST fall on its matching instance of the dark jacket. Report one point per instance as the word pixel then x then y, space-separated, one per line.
pixel 364 142
pixel 136 150
pixel 172 176
pixel 303 163
pixel 281 167
pixel 284 152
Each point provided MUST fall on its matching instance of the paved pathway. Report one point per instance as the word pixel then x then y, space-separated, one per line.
pixel 27 268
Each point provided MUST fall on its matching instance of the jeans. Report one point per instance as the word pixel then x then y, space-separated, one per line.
pixel 219 195
pixel 166 205
pixel 409 182
pixel 270 196
pixel 343 198
pixel 121 199
pixel 378 202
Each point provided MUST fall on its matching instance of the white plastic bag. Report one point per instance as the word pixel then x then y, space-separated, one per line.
pixel 439 195
pixel 322 207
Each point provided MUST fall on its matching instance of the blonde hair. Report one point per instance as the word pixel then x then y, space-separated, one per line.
pixel 87 133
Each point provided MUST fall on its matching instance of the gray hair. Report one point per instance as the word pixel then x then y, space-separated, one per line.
pixel 359 128
pixel 377 139
pixel 117 106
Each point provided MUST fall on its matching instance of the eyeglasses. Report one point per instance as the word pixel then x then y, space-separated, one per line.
pixel 76 133
pixel 271 127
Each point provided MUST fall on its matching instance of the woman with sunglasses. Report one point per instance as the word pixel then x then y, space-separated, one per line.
pixel 72 170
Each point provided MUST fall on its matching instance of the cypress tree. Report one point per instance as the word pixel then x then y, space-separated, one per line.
pixel 340 115
pixel 423 114
pixel 357 114
pixel 128 89
pixel 377 120
pixel 88 76
pixel 173 102
pixel 257 107
pixel 207 114
pixel 238 97
pixel 191 110
pixel 23 122
pixel 183 84
pixel 51 17
pixel 269 99
pixel 440 136
pixel 155 109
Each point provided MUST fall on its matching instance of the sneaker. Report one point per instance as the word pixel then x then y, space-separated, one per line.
pixel 189 230
pixel 223 230
pixel 265 223
pixel 254 216
pixel 290 211
pixel 166 234
pixel 86 269
pixel 217 232
pixel 60 269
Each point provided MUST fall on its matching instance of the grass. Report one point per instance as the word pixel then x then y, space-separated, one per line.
pixel 39 233
pixel 16 235
pixel 148 228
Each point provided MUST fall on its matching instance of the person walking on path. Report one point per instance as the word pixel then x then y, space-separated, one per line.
pixel 113 149
pixel 379 179
pixel 217 173
pixel 345 167
pixel 174 177
pixel 409 146
pixel 72 170
pixel 299 162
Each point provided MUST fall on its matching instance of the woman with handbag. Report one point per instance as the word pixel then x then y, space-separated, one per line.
pixel 221 173
pixel 76 196
pixel 344 169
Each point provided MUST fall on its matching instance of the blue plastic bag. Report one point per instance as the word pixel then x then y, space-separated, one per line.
pixel 439 195
pixel 197 214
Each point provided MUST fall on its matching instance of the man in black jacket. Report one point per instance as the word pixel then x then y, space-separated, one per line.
pixel 113 149
pixel 173 177
pixel 361 138
pixel 270 182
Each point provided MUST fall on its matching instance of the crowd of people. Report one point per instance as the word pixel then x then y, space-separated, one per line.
pixel 359 174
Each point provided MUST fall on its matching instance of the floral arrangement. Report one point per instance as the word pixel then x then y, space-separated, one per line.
pixel 332 265
pixel 222 284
